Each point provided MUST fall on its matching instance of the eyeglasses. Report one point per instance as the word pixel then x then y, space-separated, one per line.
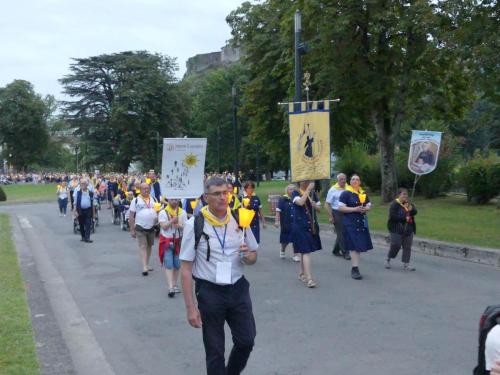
pixel 219 194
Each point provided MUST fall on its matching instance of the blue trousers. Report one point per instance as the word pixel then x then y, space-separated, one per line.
pixel 218 305
pixel 63 204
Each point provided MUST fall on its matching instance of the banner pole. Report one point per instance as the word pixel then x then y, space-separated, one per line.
pixel 417 177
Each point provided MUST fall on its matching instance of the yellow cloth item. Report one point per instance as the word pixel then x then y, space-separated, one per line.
pixel 337 186
pixel 351 189
pixel 173 213
pixel 237 202
pixel 213 220
pixel 406 206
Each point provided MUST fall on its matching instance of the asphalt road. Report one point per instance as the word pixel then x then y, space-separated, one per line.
pixel 392 322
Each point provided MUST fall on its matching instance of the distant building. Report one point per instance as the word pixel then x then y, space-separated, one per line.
pixel 205 61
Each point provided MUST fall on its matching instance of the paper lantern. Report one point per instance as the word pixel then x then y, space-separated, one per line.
pixel 157 207
pixel 246 202
pixel 245 217
pixel 362 198
pixel 137 191
pixel 148 181
pixel 235 190
pixel 193 204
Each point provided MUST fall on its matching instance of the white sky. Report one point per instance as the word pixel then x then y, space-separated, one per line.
pixel 38 38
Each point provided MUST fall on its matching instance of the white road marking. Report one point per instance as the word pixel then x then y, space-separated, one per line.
pixel 24 222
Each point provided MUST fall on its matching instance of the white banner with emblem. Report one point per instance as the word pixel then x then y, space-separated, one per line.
pixel 183 167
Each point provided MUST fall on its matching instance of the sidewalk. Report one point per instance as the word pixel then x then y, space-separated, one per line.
pixel 427 246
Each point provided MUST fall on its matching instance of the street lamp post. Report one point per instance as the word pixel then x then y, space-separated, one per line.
pixel 235 130
pixel 76 153
pixel 257 167
pixel 218 148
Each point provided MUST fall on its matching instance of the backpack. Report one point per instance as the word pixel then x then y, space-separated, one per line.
pixel 490 318
pixel 199 223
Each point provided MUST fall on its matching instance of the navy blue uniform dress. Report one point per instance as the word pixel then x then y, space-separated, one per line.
pixel 255 205
pixel 356 233
pixel 285 206
pixel 305 228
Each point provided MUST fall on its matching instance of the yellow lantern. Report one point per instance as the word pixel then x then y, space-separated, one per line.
pixel 193 204
pixel 58 187
pixel 148 181
pixel 137 191
pixel 157 207
pixel 245 217
pixel 235 190
pixel 246 202
pixel 362 198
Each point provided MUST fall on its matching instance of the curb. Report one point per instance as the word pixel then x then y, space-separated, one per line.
pixel 482 255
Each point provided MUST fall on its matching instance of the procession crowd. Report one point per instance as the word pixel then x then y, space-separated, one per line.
pixel 207 240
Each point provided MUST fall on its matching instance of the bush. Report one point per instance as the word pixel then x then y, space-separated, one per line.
pixel 3 196
pixel 481 178
pixel 355 159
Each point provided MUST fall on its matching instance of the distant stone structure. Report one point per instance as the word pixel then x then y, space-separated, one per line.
pixel 212 60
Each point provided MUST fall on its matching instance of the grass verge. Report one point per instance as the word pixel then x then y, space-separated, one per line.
pixel 29 193
pixel 17 345
pixel 449 219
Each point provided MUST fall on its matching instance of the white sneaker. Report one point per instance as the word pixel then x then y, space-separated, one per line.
pixel 176 289
pixel 282 254
pixel 296 258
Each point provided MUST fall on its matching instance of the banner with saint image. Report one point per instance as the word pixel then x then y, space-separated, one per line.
pixel 310 141
pixel 183 167
pixel 424 151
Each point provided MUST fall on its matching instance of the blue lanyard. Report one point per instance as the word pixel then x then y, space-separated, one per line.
pixel 223 242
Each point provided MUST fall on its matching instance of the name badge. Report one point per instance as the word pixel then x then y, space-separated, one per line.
pixel 223 273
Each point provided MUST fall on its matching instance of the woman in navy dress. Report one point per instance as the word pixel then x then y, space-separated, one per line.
pixel 305 229
pixel 283 220
pixel 253 203
pixel 354 203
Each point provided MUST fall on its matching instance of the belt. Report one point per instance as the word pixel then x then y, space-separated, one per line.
pixel 217 286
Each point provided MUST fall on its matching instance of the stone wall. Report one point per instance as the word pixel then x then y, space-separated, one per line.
pixel 212 60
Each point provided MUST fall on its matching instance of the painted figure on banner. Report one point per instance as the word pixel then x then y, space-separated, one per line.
pixel 424 151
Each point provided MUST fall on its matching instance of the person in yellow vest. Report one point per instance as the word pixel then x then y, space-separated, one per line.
pixel 234 202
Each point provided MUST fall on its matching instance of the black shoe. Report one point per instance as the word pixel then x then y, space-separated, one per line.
pixel 347 256
pixel 145 273
pixel 336 253
pixel 355 274
pixel 82 240
pixel 89 241
pixel 171 293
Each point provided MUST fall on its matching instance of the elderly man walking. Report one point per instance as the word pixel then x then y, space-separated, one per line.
pixel 84 209
pixel 213 252
pixel 335 216
pixel 142 220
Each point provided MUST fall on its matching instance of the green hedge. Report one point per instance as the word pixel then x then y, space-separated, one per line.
pixel 3 196
pixel 480 177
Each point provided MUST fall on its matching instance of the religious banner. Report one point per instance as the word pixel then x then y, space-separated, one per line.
pixel 424 151
pixel 183 167
pixel 310 141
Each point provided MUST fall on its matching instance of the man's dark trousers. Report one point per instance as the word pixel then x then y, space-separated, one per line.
pixel 339 230
pixel 85 221
pixel 231 304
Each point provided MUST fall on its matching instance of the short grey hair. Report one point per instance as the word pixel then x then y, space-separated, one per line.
pixel 340 175
pixel 291 186
pixel 213 181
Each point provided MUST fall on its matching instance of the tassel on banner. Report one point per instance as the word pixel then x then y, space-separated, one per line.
pixel 315 105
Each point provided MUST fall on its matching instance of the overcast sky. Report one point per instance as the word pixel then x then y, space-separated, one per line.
pixel 38 38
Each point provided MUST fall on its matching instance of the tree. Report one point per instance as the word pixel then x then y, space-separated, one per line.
pixel 23 126
pixel 211 114
pixel 389 62
pixel 123 101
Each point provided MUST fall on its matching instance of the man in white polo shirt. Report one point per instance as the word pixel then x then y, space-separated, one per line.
pixel 222 292
pixel 335 216
pixel 492 350
pixel 142 219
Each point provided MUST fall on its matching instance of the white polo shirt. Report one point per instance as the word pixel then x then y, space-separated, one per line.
pixel 492 347
pixel 332 198
pixel 207 270
pixel 164 217
pixel 145 214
